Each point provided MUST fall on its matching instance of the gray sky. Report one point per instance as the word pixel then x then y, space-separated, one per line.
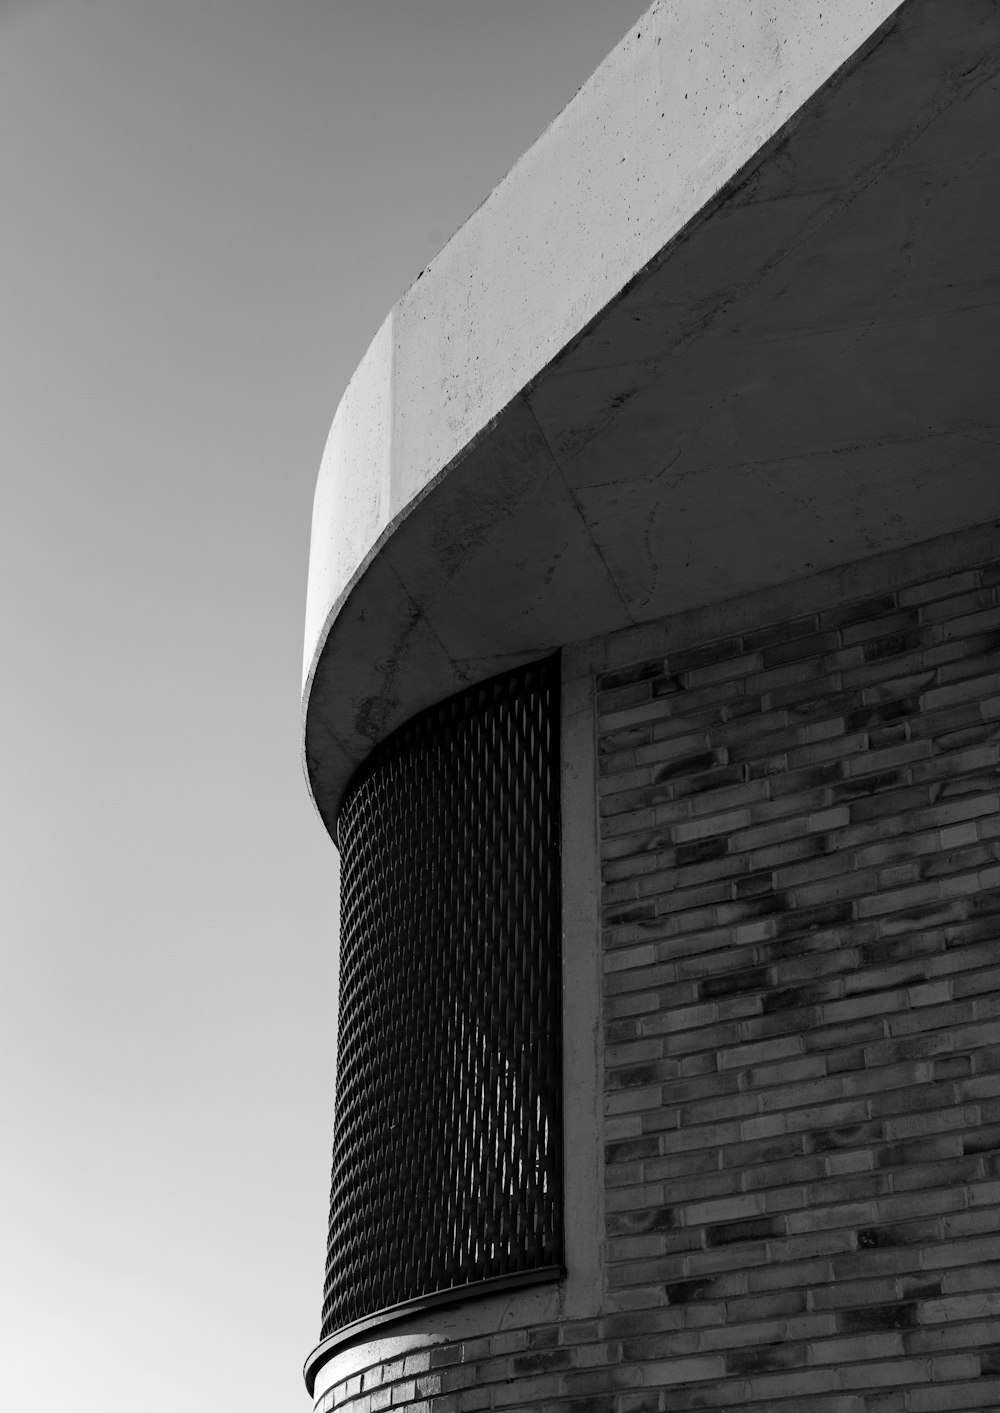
pixel 208 207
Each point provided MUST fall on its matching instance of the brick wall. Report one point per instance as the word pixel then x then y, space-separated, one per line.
pixel 801 868
pixel 800 844
pixel 521 1370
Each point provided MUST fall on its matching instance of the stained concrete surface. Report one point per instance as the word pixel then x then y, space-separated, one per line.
pixel 802 375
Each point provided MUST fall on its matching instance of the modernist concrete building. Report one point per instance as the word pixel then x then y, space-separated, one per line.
pixel 653 698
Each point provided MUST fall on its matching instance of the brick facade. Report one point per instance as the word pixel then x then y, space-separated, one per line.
pixel 800 857
pixel 801 867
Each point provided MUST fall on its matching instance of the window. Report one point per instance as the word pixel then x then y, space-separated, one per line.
pixel 446 1165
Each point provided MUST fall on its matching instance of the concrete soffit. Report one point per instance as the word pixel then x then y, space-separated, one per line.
pixel 731 321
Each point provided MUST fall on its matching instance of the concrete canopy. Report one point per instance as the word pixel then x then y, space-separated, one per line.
pixel 730 321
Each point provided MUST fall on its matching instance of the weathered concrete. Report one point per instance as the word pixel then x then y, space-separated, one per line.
pixel 727 323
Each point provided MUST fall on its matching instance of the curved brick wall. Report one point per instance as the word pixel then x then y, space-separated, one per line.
pixel 543 1366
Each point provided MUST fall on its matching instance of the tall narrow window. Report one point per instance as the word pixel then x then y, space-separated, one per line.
pixel 446 1163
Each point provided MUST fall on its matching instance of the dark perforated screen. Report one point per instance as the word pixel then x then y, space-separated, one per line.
pixel 446 1165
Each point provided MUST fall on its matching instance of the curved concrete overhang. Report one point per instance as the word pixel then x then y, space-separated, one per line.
pixel 730 321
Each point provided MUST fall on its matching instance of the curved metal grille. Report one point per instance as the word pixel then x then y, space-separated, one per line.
pixel 446 1165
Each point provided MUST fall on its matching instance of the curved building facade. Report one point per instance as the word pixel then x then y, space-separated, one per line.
pixel 652 699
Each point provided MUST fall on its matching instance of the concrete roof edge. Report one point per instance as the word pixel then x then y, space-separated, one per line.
pixel 681 105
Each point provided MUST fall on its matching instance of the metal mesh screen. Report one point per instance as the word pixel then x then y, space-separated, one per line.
pixel 446 1164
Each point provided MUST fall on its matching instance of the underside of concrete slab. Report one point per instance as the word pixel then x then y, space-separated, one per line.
pixel 732 321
